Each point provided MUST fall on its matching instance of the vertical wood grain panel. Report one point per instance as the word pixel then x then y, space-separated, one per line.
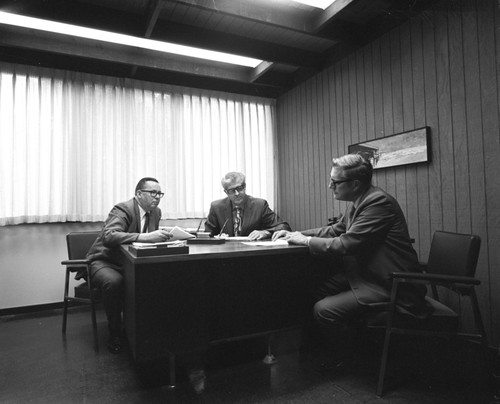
pixel 378 104
pixel 488 68
pixel 422 188
pixel 447 183
pixel 409 182
pixel 460 146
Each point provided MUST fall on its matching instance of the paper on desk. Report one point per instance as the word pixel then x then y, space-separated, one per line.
pixel 239 238
pixel 268 243
pixel 180 234
pixel 177 243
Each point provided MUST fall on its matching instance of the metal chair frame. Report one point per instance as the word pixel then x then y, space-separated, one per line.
pixel 78 244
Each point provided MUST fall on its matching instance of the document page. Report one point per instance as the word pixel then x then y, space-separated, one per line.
pixel 268 243
pixel 180 234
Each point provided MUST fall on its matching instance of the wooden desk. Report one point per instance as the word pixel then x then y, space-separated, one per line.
pixel 179 303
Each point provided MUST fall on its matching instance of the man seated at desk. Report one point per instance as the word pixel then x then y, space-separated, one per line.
pixel 373 241
pixel 240 214
pixel 134 220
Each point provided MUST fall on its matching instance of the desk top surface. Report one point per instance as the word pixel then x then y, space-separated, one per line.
pixel 217 251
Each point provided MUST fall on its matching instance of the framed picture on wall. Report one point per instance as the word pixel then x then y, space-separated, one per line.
pixel 410 147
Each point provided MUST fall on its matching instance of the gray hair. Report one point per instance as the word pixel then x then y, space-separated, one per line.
pixel 355 166
pixel 231 178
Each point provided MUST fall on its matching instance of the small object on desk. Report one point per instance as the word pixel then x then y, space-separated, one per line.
pixel 156 249
pixel 203 234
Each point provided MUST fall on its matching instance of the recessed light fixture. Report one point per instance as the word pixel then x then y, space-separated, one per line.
pixel 105 36
pixel 317 3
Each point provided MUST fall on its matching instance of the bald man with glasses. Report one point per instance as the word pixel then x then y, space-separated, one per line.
pixel 137 219
pixel 240 214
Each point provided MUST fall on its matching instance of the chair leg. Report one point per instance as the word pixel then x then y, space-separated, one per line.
pixel 480 327
pixel 94 327
pixel 65 312
pixel 93 315
pixel 171 367
pixel 269 359
pixel 383 363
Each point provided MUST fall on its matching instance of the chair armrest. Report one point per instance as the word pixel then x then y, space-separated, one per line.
pixel 435 278
pixel 75 262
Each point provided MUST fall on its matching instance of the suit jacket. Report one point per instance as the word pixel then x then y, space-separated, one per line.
pixel 121 227
pixel 256 215
pixel 374 241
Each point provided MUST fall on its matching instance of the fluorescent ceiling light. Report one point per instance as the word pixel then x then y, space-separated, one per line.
pixel 317 3
pixel 105 36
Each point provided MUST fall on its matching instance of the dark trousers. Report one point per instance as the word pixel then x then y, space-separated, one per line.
pixel 335 307
pixel 110 282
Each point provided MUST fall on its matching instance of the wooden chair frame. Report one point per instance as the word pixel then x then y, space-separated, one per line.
pixel 463 284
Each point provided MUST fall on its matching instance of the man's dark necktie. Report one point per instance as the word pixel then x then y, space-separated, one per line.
pixel 237 222
pixel 146 223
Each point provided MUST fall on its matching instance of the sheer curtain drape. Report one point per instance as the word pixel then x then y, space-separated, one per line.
pixel 72 145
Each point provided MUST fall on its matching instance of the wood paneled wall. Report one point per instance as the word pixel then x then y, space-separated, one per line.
pixel 441 69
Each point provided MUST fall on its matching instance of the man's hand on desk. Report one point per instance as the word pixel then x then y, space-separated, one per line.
pixel 295 237
pixel 258 235
pixel 157 236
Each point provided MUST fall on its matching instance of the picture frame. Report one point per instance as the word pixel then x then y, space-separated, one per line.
pixel 410 147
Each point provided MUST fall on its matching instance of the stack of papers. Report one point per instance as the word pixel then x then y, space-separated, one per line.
pixel 178 243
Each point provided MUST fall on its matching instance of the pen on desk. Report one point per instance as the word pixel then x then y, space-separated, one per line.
pixel 223 227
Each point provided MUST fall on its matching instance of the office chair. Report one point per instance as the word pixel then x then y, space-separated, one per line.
pixel 451 265
pixel 79 244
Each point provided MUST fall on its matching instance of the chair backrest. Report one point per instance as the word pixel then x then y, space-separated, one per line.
pixel 453 254
pixel 79 243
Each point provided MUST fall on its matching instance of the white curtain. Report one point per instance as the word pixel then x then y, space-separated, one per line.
pixel 72 145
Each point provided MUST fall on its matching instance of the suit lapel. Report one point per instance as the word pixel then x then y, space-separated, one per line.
pixel 136 223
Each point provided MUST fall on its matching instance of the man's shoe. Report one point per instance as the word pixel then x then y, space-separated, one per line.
pixel 197 378
pixel 115 345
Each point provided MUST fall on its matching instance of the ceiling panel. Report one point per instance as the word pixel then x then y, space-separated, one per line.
pixel 294 40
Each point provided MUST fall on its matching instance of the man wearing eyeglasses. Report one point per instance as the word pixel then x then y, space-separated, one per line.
pixel 240 214
pixel 134 220
pixel 372 241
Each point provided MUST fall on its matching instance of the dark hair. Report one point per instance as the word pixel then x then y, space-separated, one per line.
pixel 355 166
pixel 142 183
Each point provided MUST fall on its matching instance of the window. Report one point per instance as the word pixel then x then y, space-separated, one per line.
pixel 74 144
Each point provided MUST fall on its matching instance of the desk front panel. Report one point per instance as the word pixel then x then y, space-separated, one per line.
pixel 176 305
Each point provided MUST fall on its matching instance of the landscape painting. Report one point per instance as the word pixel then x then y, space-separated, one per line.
pixel 400 149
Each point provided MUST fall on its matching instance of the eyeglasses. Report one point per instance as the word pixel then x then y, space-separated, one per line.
pixel 232 191
pixel 154 194
pixel 333 183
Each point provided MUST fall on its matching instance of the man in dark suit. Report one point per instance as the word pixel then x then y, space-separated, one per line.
pixel 134 220
pixel 373 241
pixel 240 214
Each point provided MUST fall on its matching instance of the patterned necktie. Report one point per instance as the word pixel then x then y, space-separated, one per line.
pixel 237 222
pixel 146 223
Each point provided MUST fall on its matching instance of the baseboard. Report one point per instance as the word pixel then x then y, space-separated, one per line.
pixel 38 310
